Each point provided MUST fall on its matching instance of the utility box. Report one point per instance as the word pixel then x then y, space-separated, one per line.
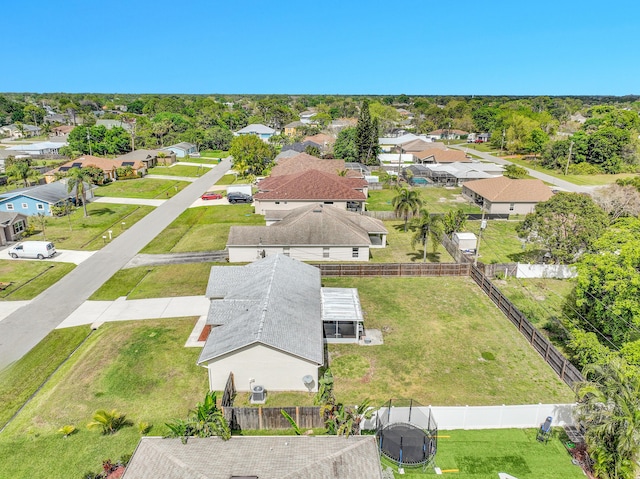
pixel 466 242
pixel 246 189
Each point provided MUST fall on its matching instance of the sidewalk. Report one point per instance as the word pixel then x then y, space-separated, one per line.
pixel 128 201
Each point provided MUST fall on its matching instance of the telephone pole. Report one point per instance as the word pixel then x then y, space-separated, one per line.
pixel 566 168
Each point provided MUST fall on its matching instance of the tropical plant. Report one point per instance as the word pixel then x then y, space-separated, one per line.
pixel 20 170
pixel 291 421
pixel 427 226
pixel 406 202
pixel 109 421
pixel 205 420
pixel 67 430
pixel 454 221
pixel 78 179
pixel 609 408
pixel 144 427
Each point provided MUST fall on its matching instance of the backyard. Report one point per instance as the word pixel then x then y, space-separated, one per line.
pixel 436 199
pixel 499 242
pixel 78 232
pixel 147 188
pixel 399 250
pixel 25 280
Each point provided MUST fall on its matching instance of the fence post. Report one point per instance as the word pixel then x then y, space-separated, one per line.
pixel 260 424
pixel 297 415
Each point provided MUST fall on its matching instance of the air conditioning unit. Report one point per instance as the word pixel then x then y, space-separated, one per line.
pixel 258 395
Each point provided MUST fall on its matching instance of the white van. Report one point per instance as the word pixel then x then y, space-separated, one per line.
pixel 33 249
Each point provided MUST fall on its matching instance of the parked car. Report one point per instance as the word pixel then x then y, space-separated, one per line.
pixel 211 195
pixel 237 197
pixel 33 249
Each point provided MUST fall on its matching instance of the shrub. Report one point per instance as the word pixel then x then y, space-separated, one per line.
pixel 67 430
pixel 109 421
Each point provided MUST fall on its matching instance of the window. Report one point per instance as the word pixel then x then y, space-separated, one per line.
pixel 354 252
pixel 285 251
pixel 40 207
pixel 18 227
pixel 511 206
pixel 9 206
pixel 325 252
pixel 328 202
pixel 277 202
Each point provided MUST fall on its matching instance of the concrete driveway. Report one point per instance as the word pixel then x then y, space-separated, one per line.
pixel 62 256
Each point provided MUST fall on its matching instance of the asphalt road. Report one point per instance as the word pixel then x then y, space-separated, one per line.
pixel 26 327
pixel 552 180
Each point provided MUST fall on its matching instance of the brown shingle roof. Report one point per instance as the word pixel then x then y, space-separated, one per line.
pixel 311 185
pixel 506 190
pixel 105 164
pixel 419 145
pixel 443 156
pixel 321 139
pixel 304 162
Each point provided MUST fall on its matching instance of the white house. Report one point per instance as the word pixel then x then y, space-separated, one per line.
pixel 182 149
pixel 261 131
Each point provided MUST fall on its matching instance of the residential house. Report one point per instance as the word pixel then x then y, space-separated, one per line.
pixel 107 165
pixel 301 146
pixel 447 134
pixel 303 162
pixel 38 199
pixel 452 174
pixel 261 131
pixel 285 154
pixel 504 195
pixel 325 141
pixel 394 162
pixel 109 124
pixel 52 117
pixel 310 187
pixel 416 145
pixel 388 144
pixel 266 326
pixel 339 124
pixel 41 148
pixel 15 131
pixel 440 155
pixel 62 130
pixel 316 232
pixel 252 457
pixel 483 137
pixel 291 129
pixel 306 116
pixel 12 224
pixel 149 158
pixel 182 150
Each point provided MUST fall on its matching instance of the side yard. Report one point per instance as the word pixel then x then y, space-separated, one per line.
pixel 26 279
pixel 148 188
pixel 436 200
pixel 178 170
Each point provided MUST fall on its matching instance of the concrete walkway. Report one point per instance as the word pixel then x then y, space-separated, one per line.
pixel 187 163
pixel 27 326
pixel 128 201
pixel 190 179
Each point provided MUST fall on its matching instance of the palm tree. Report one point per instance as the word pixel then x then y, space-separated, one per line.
pixel 21 171
pixel 78 178
pixel 427 226
pixel 406 202
pixel 109 421
pixel 609 408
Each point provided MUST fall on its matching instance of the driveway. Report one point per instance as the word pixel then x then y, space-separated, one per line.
pixel 62 256
pixel 128 201
pixel 27 326
pixel 552 180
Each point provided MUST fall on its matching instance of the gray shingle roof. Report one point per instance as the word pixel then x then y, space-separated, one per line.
pixel 274 301
pixel 256 128
pixel 277 457
pixel 50 193
pixel 182 146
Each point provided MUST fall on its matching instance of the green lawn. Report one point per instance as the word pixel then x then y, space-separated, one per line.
pixel 499 242
pixel 29 278
pixel 399 250
pixel 203 229
pixel 156 282
pixel 482 454
pixel 141 369
pixel 147 188
pixel 77 232
pixel 436 200
pixel 435 333
pixel 213 154
pixel 179 170
pixel 227 180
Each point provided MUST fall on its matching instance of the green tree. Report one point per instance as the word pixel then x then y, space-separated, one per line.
pixel 609 408
pixel 251 155
pixel 77 180
pixel 454 221
pixel 515 172
pixel 345 146
pixel 20 170
pixel 564 226
pixel 366 137
pixel 427 226
pixel 406 202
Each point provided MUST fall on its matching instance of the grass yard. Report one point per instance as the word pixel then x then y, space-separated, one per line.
pixel 139 368
pixel 156 282
pixel 437 333
pixel 80 233
pixel 203 229
pixel 227 180
pixel 499 242
pixel 483 454
pixel 212 154
pixel 436 200
pixel 179 170
pixel 399 250
pixel 147 188
pixel 29 278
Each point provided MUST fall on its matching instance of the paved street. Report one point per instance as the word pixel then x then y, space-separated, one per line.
pixel 27 326
pixel 562 184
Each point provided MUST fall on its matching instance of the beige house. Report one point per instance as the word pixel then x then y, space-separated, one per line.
pixel 502 195
pixel 12 225
pixel 315 232
pixel 288 192
pixel 108 166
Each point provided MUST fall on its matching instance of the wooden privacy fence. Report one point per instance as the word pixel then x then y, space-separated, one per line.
pixel 240 418
pixel 554 358
pixel 394 269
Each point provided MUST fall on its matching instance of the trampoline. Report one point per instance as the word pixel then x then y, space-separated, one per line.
pixel 407 435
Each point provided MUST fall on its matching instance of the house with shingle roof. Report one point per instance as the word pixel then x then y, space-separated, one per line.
pixel 291 129
pixel 16 130
pixel 315 232
pixel 441 155
pixel 312 186
pixel 303 162
pixel 253 457
pixel 39 199
pixel 266 325
pixel 107 165
pixel 182 149
pixel 261 131
pixel 504 195
pixel 12 225
pixel 447 134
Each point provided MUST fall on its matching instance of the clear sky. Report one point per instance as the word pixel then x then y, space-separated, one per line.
pixel 560 47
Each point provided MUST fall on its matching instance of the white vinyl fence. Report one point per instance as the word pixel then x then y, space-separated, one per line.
pixel 482 417
pixel 559 271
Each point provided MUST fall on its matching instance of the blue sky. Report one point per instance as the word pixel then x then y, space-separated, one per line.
pixel 561 47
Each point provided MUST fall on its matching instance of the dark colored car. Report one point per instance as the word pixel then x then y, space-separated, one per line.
pixel 237 197
pixel 211 195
